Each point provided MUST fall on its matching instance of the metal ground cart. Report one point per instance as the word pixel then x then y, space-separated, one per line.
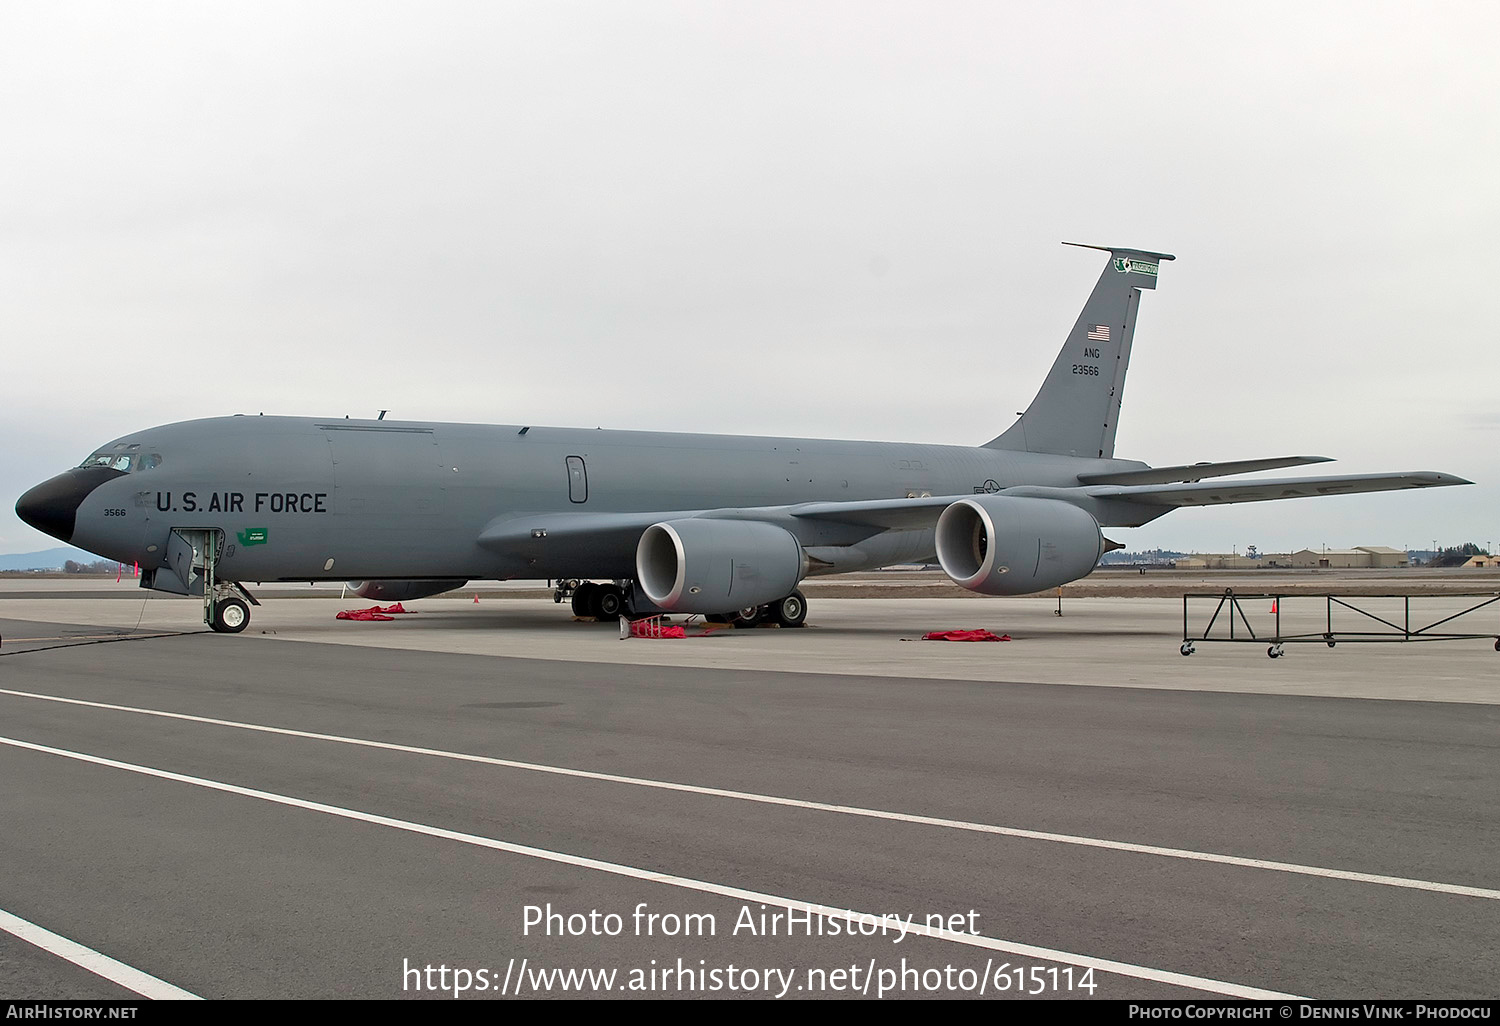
pixel 1356 616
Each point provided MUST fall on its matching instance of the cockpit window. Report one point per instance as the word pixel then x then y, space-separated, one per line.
pixel 125 461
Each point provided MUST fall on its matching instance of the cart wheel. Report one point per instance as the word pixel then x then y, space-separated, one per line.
pixel 1497 644
pixel 1329 638
pixel 1274 652
pixel 1187 648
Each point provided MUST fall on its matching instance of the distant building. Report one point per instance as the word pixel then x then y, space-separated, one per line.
pixel 1484 562
pixel 1385 556
pixel 1231 561
pixel 1359 557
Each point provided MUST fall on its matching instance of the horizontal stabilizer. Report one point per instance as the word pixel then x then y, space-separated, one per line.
pixel 1198 471
pixel 1280 488
pixel 1121 252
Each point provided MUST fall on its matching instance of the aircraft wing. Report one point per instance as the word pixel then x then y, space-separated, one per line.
pixel 1274 488
pixel 855 519
pixel 1198 471
pixel 909 514
pixel 509 531
pixel 919 513
pixel 881 514
pixel 870 516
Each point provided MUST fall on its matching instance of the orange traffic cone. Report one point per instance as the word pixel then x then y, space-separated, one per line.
pixel 476 598
pixel 1273 605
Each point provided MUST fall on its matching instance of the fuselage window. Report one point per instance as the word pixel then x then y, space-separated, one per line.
pixel 125 462
pixel 113 460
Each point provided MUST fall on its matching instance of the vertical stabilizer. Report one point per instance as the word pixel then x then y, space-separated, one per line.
pixel 1077 410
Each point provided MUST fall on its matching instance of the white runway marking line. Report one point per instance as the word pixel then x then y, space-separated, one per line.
pixel 99 964
pixel 1103 965
pixel 1460 890
pixel 1406 883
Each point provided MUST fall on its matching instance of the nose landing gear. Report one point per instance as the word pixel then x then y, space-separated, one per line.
pixel 226 609
pixel 230 616
pixel 191 568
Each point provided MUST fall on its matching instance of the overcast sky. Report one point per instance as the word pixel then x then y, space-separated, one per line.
pixel 807 218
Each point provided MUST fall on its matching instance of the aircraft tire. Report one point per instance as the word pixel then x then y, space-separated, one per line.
pixel 750 616
pixel 791 611
pixel 230 616
pixel 583 599
pixel 608 602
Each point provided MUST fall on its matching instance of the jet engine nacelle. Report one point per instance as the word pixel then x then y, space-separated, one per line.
pixel 402 591
pixel 717 566
pixel 1008 545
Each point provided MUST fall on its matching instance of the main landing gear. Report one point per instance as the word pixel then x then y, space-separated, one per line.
pixel 790 611
pixel 608 602
pixel 601 601
pixel 787 612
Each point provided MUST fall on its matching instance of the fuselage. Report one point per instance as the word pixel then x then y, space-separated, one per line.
pixel 328 499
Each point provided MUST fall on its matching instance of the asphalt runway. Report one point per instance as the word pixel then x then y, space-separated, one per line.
pixel 359 811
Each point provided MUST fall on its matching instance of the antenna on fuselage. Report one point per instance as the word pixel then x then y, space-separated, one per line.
pixel 382 414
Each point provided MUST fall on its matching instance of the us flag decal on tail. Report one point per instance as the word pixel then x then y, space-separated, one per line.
pixel 1099 332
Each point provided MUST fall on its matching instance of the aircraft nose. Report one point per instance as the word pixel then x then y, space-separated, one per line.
pixel 52 506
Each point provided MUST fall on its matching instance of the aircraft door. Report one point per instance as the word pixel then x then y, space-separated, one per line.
pixel 578 480
pixel 190 555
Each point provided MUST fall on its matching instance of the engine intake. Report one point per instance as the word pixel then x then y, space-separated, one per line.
pixel 717 566
pixel 1009 545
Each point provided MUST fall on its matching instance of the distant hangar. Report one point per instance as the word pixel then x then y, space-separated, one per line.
pixel 1361 556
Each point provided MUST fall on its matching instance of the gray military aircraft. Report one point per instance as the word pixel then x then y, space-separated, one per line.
pixel 723 525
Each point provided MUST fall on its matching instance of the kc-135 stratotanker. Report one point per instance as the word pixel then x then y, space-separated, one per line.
pixel 723 525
